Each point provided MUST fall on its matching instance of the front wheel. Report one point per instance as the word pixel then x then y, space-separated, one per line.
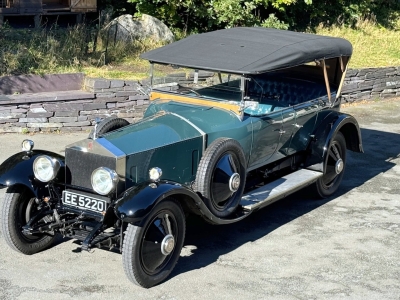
pixel 18 208
pixel 151 250
pixel 335 164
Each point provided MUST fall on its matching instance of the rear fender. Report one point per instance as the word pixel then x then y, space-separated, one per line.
pixel 18 170
pixel 137 202
pixel 334 122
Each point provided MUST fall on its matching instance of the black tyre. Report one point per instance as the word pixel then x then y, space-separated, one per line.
pixel 17 209
pixel 107 125
pixel 221 176
pixel 151 250
pixel 335 164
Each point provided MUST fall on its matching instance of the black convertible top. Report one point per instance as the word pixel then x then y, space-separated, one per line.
pixel 249 50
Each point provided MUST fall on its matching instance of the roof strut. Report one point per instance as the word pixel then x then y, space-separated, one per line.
pixel 344 70
pixel 151 74
pixel 328 89
pixel 341 63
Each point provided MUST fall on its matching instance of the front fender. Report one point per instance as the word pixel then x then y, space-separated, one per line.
pixel 331 125
pixel 18 170
pixel 138 201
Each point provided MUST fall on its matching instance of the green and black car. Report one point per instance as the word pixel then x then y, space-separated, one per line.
pixel 264 124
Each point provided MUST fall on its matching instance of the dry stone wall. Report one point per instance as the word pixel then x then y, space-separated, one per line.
pixel 72 110
pixel 76 110
pixel 371 83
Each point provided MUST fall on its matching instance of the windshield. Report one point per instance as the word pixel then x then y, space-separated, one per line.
pixel 255 94
pixel 213 86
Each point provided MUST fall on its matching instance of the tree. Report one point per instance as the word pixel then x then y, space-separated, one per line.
pixel 201 15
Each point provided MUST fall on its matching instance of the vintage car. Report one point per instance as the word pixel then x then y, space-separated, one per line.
pixel 264 124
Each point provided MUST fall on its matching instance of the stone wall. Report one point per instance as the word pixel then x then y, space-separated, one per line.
pixel 76 110
pixel 122 98
pixel 72 110
pixel 371 83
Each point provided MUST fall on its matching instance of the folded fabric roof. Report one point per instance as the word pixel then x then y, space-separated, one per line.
pixel 249 50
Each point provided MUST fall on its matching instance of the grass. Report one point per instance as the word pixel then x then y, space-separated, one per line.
pixel 373 46
pixel 76 49
pixel 82 49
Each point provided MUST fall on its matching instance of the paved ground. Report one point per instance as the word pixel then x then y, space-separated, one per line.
pixel 347 246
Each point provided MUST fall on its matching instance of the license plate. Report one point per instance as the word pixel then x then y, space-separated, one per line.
pixel 84 201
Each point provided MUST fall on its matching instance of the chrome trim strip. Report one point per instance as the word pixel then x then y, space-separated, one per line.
pixel 110 147
pixel 194 126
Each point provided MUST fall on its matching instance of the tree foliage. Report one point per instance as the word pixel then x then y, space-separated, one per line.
pixel 205 15
pixel 343 12
pixel 201 15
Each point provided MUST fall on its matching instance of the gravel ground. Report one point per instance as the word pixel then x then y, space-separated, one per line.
pixel 346 246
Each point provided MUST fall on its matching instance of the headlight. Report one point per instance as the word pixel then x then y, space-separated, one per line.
pixel 104 180
pixel 27 145
pixel 45 168
pixel 155 173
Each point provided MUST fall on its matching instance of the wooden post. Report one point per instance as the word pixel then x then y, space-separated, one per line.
pixel 79 18
pixel 38 21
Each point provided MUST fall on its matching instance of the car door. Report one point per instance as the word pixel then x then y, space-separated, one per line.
pixel 304 125
pixel 267 131
pixel 287 132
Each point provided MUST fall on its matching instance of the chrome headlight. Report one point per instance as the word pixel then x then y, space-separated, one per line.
pixel 27 145
pixel 104 180
pixel 155 173
pixel 46 168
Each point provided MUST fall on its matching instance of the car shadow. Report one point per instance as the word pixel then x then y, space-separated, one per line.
pixel 205 243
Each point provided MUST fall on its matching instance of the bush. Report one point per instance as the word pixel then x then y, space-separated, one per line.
pixel 199 15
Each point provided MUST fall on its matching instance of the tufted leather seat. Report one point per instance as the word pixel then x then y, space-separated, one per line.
pixel 282 91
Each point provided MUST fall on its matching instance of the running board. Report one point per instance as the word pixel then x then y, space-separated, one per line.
pixel 279 189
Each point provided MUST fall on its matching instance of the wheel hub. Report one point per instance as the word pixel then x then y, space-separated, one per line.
pixel 234 182
pixel 339 166
pixel 167 244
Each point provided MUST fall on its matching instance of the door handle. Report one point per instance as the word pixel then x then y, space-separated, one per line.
pixel 297 125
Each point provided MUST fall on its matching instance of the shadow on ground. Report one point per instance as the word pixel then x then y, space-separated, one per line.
pixel 209 242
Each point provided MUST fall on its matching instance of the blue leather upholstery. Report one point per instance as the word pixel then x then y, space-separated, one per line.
pixel 279 92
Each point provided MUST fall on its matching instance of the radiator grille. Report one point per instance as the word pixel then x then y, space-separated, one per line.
pixel 81 165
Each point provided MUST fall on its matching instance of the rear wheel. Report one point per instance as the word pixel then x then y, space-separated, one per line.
pixel 151 250
pixel 17 209
pixel 335 164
